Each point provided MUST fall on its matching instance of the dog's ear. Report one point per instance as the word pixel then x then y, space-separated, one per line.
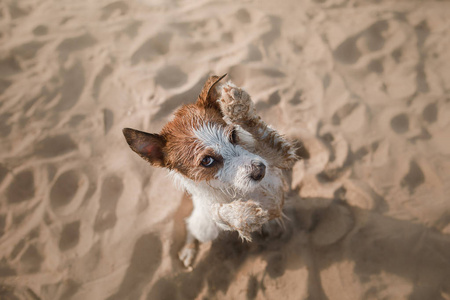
pixel 209 95
pixel 149 146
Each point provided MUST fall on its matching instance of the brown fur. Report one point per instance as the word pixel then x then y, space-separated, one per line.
pixel 176 147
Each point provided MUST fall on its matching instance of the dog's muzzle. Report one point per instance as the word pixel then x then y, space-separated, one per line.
pixel 258 171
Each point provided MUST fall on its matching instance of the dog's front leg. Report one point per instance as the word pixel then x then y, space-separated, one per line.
pixel 241 216
pixel 238 108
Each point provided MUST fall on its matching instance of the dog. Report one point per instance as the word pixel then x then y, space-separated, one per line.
pixel 230 162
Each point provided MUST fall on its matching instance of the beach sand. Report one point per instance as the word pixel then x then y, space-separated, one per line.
pixel 363 87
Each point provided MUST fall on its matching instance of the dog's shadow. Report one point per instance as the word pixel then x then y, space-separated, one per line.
pixel 316 239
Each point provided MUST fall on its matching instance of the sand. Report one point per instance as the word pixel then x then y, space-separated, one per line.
pixel 362 86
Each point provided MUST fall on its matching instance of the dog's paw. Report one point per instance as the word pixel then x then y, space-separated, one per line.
pixel 187 255
pixel 236 103
pixel 249 217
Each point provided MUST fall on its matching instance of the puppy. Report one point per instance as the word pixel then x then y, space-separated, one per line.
pixel 226 157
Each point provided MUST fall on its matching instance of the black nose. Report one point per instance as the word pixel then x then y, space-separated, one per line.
pixel 258 171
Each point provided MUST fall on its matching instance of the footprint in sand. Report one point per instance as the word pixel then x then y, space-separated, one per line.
pixel 170 77
pixel 21 188
pixel 70 236
pixel 72 86
pixel 5 124
pixel 40 30
pixel 2 224
pixel 372 39
pixel 68 192
pixel 155 46
pixel 429 113
pixel 273 100
pixel 112 189
pixel 422 32
pixel 413 178
pixel 55 146
pixel 112 8
pixel 188 96
pixel 343 112
pixel 4 85
pixel 64 189
pixel 9 66
pixel 102 75
pixel 243 16
pixel 376 66
pixel 108 119
pixel 16 11
pixel 31 260
pixel 3 173
pixel 400 123
pixel 74 44
pixel 27 50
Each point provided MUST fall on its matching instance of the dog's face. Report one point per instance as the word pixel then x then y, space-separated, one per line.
pixel 201 146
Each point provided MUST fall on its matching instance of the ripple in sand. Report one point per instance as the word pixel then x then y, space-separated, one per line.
pixel 21 188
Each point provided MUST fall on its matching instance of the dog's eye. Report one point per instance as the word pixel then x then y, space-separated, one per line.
pixel 233 137
pixel 208 161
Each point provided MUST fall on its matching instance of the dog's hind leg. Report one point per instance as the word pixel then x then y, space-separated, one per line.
pixel 200 228
pixel 188 253
pixel 238 108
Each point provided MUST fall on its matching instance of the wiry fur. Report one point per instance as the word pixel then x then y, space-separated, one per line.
pixel 243 187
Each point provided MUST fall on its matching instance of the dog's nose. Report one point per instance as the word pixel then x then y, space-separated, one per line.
pixel 258 171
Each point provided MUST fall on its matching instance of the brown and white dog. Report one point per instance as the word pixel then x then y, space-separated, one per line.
pixel 226 157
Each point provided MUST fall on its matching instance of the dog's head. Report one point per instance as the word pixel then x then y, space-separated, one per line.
pixel 201 146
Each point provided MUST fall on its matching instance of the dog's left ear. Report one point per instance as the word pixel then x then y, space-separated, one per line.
pixel 149 146
pixel 209 95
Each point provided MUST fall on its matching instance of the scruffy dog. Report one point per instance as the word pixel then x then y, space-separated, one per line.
pixel 226 157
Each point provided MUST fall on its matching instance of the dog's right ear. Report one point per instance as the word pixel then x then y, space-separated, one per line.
pixel 209 95
pixel 149 146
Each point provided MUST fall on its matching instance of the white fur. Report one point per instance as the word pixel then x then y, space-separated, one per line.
pixel 232 200
pixel 235 173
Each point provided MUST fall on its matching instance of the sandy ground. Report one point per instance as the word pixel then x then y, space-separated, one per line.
pixel 363 85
